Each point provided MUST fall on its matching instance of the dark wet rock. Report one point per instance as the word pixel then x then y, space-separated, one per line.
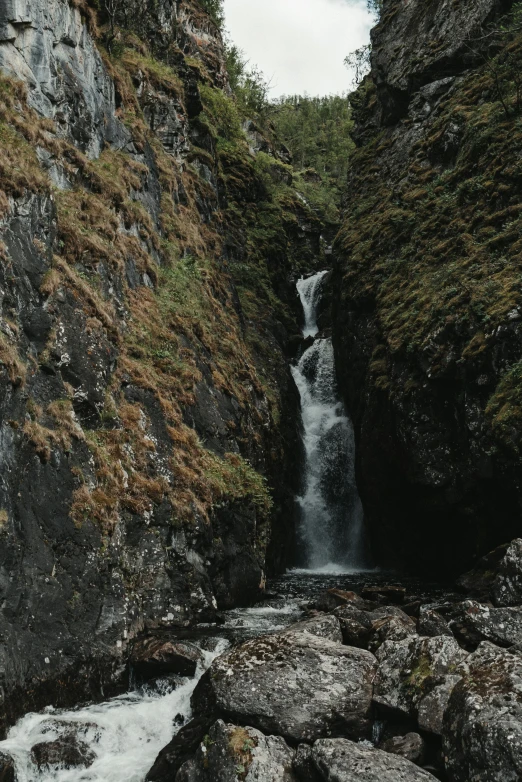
pixel 231 753
pixel 340 760
pixel 404 57
pixel 334 598
pixel 431 623
pixel 298 686
pixel 389 626
pixel 483 722
pixel 432 706
pixel 179 750
pixel 497 576
pixel 67 751
pixel 355 624
pixel 7 768
pixel 304 766
pixel 325 626
pixel 410 669
pixel 474 622
pixel 384 594
pixel 412 747
pixel 152 657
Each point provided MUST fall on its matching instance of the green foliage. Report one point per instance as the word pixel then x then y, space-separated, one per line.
pixel 317 132
pixel 375 7
pixel 214 9
pixel 248 83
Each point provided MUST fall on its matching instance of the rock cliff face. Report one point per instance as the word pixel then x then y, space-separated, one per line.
pixel 428 317
pixel 145 402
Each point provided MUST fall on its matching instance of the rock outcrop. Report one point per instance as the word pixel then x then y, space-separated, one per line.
pixel 146 406
pixel 427 324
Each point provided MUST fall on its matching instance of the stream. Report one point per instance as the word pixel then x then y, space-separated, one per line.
pixel 122 736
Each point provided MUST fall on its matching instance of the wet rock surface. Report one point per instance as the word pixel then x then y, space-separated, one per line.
pixel 7 768
pixel 155 657
pixel 410 669
pixel 483 721
pixel 297 685
pixel 339 760
pixel 232 753
pixel 411 747
pixel 67 752
pixel 475 622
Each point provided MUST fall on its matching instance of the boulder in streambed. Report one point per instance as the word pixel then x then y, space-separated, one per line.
pixel 412 747
pixel 322 626
pixel 475 622
pixel 497 576
pixel 340 760
pixel 431 623
pixel 153 657
pixel 384 593
pixel 296 685
pixel 230 753
pixel 482 737
pixel 66 751
pixel 411 669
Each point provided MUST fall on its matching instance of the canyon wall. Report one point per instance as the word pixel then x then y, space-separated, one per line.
pixel 148 441
pixel 428 316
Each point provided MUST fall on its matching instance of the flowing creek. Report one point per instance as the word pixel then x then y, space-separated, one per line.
pixel 124 735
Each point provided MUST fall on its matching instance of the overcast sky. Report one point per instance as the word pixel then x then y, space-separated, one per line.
pixel 300 44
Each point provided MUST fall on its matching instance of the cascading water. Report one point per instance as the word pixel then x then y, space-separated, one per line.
pixel 123 735
pixel 331 527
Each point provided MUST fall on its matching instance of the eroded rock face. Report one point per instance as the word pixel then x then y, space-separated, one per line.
pixel 233 753
pixel 483 722
pixel 7 768
pixel 297 685
pixel 417 43
pixel 49 47
pixel 339 760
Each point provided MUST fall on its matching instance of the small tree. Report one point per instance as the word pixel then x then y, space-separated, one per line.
pixel 359 62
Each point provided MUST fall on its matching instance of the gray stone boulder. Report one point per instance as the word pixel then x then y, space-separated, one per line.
pixel 340 760
pixel 431 623
pixel 412 747
pixel 475 622
pixel 66 751
pixel 482 737
pixel 296 685
pixel 234 754
pixel 356 625
pixel 411 669
pixel 390 625
pixel 156 657
pixel 322 626
pixel 497 576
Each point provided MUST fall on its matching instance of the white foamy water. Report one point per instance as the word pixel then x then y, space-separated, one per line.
pixel 310 294
pixel 331 511
pixel 125 734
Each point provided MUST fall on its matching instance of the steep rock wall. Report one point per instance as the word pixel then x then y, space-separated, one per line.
pixel 147 411
pixel 427 321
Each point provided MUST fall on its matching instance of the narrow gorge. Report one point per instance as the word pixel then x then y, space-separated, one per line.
pixel 260 401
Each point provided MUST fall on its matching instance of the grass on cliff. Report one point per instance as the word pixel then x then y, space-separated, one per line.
pixel 172 329
pixel 440 252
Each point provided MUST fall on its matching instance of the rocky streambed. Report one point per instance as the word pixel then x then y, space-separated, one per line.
pixel 333 677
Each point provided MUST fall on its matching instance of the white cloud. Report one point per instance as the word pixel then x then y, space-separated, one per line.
pixel 300 44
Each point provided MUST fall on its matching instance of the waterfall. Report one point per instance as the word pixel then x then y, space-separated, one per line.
pixel 331 517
